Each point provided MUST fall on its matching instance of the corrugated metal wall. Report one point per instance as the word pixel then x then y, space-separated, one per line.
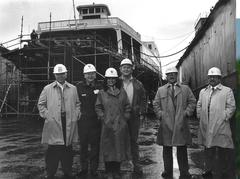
pixel 215 48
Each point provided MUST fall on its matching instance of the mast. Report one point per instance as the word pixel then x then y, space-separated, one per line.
pixel 74 13
pixel 21 31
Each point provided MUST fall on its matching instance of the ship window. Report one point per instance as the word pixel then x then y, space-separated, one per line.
pixel 92 17
pixel 91 10
pixel 97 10
pixel 150 46
pixel 85 11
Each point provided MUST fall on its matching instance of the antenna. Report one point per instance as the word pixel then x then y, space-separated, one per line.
pixel 21 31
pixel 74 13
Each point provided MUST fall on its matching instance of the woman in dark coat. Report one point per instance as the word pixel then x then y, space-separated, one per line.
pixel 113 108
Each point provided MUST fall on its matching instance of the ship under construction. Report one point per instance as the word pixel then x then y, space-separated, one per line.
pixel 95 37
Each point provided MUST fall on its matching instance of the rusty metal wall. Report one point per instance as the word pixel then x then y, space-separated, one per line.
pixel 215 48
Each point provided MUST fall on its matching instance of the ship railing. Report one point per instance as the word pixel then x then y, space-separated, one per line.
pixel 148 63
pixel 16 42
pixel 85 24
pixel 149 59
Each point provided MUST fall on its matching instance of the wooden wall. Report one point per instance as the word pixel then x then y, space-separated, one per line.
pixel 215 47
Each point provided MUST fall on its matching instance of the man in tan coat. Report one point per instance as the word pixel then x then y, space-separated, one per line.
pixel 173 103
pixel 215 107
pixel 59 105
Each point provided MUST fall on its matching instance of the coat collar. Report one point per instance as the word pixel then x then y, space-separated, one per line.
pixel 130 79
pixel 89 85
pixel 177 88
pixel 114 93
pixel 175 84
pixel 66 84
pixel 219 87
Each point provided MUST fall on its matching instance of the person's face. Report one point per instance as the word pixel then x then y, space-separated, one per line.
pixel 172 78
pixel 111 82
pixel 214 80
pixel 61 77
pixel 126 70
pixel 90 77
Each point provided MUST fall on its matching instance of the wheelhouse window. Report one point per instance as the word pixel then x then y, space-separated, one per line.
pixel 91 10
pixel 97 10
pixel 85 11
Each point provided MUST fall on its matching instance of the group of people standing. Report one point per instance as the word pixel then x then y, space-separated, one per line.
pixel 105 117
pixel 106 120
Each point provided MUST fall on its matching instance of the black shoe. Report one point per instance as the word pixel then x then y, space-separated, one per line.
pixel 207 174
pixel 49 177
pixel 109 176
pixel 82 173
pixel 68 176
pixel 138 170
pixel 185 175
pixel 166 174
pixel 94 173
pixel 116 175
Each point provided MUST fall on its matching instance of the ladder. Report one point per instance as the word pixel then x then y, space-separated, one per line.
pixel 5 97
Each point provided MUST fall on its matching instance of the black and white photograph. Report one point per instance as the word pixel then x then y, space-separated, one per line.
pixel 111 89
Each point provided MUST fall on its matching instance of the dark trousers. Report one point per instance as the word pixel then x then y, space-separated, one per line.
pixel 89 135
pixel 182 159
pixel 221 161
pixel 56 153
pixel 63 120
pixel 112 167
pixel 62 153
pixel 133 126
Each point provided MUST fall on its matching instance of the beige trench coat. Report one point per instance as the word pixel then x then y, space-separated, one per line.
pixel 215 130
pixel 49 106
pixel 174 129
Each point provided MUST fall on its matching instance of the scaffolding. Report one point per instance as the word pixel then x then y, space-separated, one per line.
pixel 36 59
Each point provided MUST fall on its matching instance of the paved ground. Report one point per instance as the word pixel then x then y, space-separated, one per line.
pixel 22 155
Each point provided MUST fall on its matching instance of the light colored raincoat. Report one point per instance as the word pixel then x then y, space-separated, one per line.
pixel 113 108
pixel 215 129
pixel 49 106
pixel 174 129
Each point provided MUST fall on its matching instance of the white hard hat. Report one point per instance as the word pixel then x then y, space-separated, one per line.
pixel 111 73
pixel 126 61
pixel 171 70
pixel 59 68
pixel 89 68
pixel 214 71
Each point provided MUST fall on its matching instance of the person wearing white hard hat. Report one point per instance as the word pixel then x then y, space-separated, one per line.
pixel 173 104
pixel 89 127
pixel 137 97
pixel 59 105
pixel 215 107
pixel 113 109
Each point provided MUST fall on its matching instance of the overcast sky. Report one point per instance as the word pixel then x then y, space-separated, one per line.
pixel 170 23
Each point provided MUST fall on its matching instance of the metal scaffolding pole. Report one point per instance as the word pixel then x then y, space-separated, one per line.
pixel 49 49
